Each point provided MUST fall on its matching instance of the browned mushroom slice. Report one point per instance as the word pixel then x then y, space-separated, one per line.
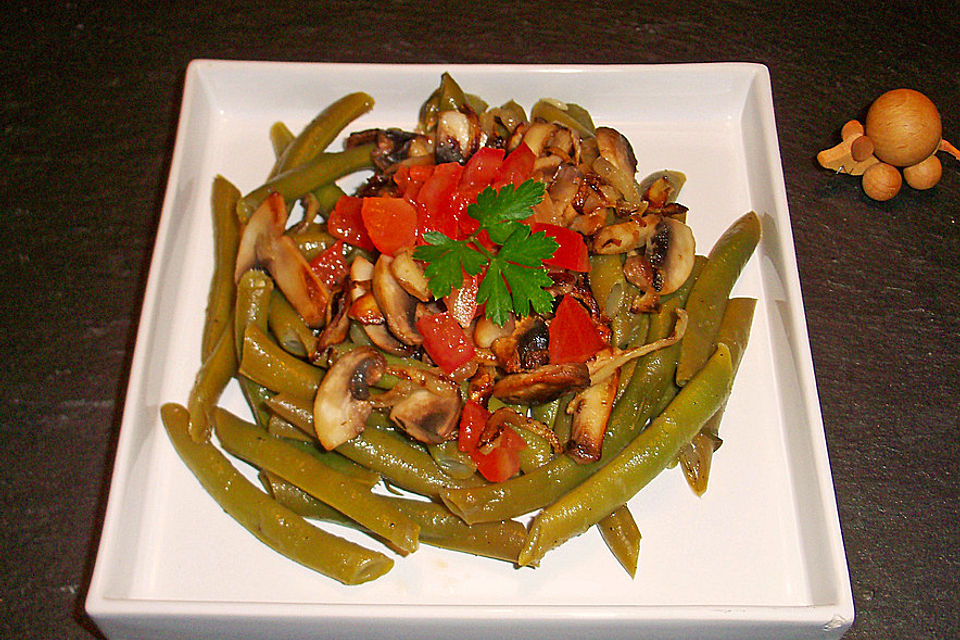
pixel 481 385
pixel 342 404
pixel 293 275
pixel 613 146
pixel 542 385
pixel 336 329
pixel 458 136
pixel 671 251
pixel 591 411
pixel 410 276
pixel 361 273
pixel 266 223
pixel 565 187
pixel 398 306
pixel 525 348
pixel 365 310
pixel 625 236
pixel 427 416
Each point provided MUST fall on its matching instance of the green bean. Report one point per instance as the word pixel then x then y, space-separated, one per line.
pixel 619 530
pixel 212 378
pixel 322 130
pixel 275 525
pixel 695 458
pixel 537 453
pixel 338 462
pixel 451 460
pixel 313 242
pixel 546 413
pixel 397 459
pixel 270 366
pixel 341 492
pixel 438 527
pixel 226 239
pixel 607 281
pixel 280 139
pixel 256 396
pixel 451 96
pixel 525 493
pixel 327 196
pixel 708 299
pixel 297 182
pixel 634 467
pixel 277 426
pixel 291 332
pixel 254 292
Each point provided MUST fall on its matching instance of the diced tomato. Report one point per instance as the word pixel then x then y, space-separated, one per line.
pixel 473 418
pixel 433 200
pixel 504 461
pixel 330 266
pixel 462 303
pixel 480 170
pixel 346 223
pixel 573 336
pixel 445 341
pixel 390 222
pixel 516 168
pixel 572 253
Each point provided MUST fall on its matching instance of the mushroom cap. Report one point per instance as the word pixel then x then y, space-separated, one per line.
pixel 342 404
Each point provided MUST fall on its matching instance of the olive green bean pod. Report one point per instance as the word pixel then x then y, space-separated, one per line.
pixel 280 138
pixel 397 459
pixel 264 362
pixel 619 530
pixel 537 453
pixel 341 492
pixel 254 293
pixel 226 239
pixel 323 129
pixel 275 525
pixel 451 460
pixel 438 527
pixel 525 493
pixel 212 378
pixel 280 428
pixel 696 457
pixel 607 281
pixel 451 96
pixel 312 243
pixel 634 467
pixel 327 196
pixel 546 413
pixel 708 299
pixel 291 332
pixel 256 397
pixel 300 180
pixel 338 462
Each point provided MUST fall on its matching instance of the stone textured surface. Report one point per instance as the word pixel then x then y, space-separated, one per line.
pixel 90 94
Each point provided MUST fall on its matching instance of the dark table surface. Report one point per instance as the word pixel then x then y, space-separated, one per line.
pixel 90 100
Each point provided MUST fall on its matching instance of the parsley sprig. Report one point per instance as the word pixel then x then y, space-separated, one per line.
pixel 516 279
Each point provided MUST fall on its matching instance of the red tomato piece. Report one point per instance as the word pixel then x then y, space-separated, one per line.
pixel 445 341
pixel 346 223
pixel 462 303
pixel 480 170
pixel 572 253
pixel 473 418
pixel 573 336
pixel 390 222
pixel 330 266
pixel 504 461
pixel 433 200
pixel 516 168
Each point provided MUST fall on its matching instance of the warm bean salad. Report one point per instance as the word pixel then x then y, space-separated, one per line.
pixel 501 321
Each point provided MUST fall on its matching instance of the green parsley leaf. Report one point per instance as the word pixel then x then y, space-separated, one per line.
pixel 516 280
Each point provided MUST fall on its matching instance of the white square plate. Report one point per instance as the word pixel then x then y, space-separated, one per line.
pixel 760 555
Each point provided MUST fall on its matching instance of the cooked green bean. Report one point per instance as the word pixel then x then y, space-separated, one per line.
pixel 569 115
pixel 537 453
pixel 327 196
pixel 438 527
pixel 277 426
pixel 322 130
pixel 341 492
pixel 254 292
pixel 256 396
pixel 296 182
pixel 338 462
pixel 451 96
pixel 696 457
pixel 280 139
pixel 619 530
pixel 275 525
pixel 291 332
pixel 264 362
pixel 636 465
pixel 451 460
pixel 212 378
pixel 226 239
pixel 312 243
pixel 525 493
pixel 709 296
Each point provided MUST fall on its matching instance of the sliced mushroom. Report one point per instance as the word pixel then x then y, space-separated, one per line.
pixel 409 274
pixel 336 329
pixel 566 185
pixel 542 385
pixel 591 412
pixel 458 136
pixel 525 348
pixel 481 385
pixel 361 273
pixel 613 146
pixel 487 331
pixel 398 306
pixel 293 275
pixel 671 251
pixel 625 236
pixel 266 223
pixel 365 310
pixel 426 416
pixel 342 404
